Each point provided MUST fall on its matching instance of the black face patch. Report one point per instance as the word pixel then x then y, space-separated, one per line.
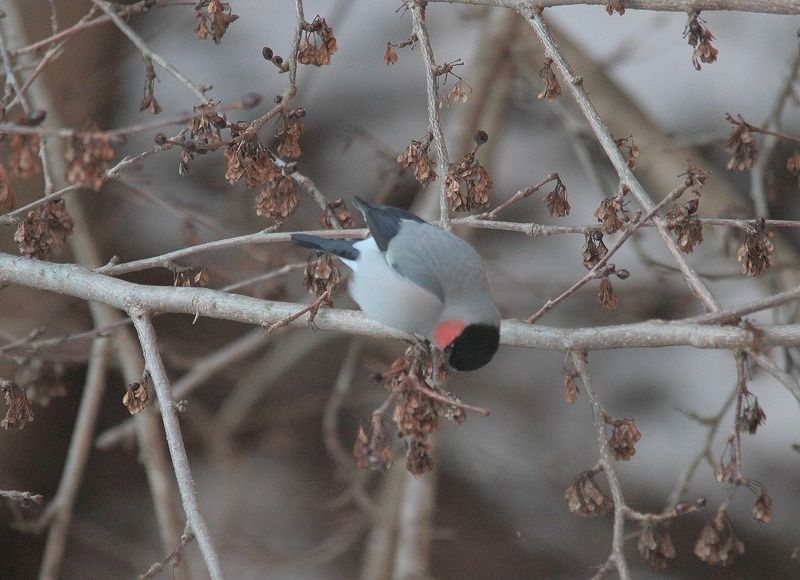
pixel 473 348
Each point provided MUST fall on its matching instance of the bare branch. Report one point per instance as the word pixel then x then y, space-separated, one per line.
pixel 599 414
pixel 177 450
pixel 421 32
pixel 764 6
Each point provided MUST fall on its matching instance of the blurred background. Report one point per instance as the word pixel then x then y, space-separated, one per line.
pixel 279 502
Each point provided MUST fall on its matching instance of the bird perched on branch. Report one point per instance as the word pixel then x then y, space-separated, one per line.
pixel 413 276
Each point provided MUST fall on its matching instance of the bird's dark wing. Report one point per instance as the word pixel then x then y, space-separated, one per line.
pixel 384 221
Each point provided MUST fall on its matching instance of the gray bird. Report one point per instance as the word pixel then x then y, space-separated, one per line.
pixel 416 277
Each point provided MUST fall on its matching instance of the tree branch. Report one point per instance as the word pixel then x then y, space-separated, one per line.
pixel 177 450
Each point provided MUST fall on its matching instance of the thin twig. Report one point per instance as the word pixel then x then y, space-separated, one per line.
pixel 599 414
pixel 420 29
pixel 23 497
pixel 686 6
pixel 148 52
pixel 177 450
pixel 598 268
pixel 174 556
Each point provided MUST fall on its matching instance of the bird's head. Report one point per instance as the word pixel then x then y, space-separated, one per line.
pixel 466 347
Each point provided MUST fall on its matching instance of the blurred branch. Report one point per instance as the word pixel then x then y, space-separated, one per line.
pixel 177 450
pixel 599 414
pixel 420 29
pixel 765 6
pixel 148 52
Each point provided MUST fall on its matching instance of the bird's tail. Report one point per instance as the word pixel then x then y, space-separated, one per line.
pixel 342 248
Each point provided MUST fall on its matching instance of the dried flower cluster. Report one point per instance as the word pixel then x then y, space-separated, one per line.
pixel 552 89
pixel 741 144
pixel 390 55
pixel 137 396
pixel 717 543
pixel 278 197
pixel 585 499
pixel 612 214
pixel 25 162
pixel 318 45
pixel 19 407
pixel 246 158
pixel 416 156
pixel 289 139
pixel 751 416
pixel 149 102
pixel 700 39
pixel 7 198
pixel 461 91
pixel 628 150
pixel 87 159
pixel 556 200
pixel 695 178
pixel 341 214
pixel 593 250
pixel 186 277
pixel 204 130
pixel 687 226
pixel 762 506
pixel 605 294
pixel 755 253
pixel 42 379
pixel 214 14
pixel 615 6
pixel 321 274
pixel 44 230
pixel 624 436
pixel 417 415
pixel 468 183
pixel 655 546
pixel 373 451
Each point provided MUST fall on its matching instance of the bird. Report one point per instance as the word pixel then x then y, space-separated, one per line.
pixel 418 278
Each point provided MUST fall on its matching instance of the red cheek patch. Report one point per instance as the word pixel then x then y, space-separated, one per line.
pixel 447 331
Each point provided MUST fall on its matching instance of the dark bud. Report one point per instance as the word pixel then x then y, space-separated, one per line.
pixel 266 52
pixel 623 274
pixel 251 100
pixel 37 117
pixel 160 139
pixel 290 168
pixel 691 206
pixel 191 147
pixel 278 98
pixel 277 59
pixel 480 136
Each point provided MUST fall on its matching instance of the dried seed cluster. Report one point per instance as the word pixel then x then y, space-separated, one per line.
pixel 19 411
pixel 717 544
pixel 624 436
pixel 700 38
pixel 416 156
pixel 213 16
pixel 687 226
pixel 318 44
pixel 321 274
pixel 556 200
pixel 585 499
pixel 612 214
pixel 551 90
pixel 44 230
pixel 341 213
pixel 655 546
pixel 755 253
pixel 468 184
pixel 149 102
pixel 741 144
pixel 87 159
